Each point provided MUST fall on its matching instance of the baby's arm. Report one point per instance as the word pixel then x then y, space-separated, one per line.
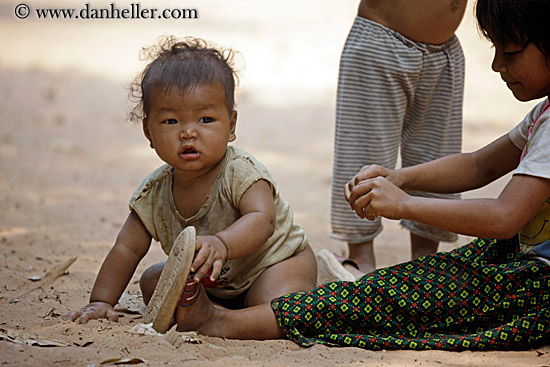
pixel 248 233
pixel 132 243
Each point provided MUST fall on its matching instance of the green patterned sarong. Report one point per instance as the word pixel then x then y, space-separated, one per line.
pixel 484 295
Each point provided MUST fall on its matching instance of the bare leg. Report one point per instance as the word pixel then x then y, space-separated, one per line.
pixel 363 254
pixel 421 246
pixel 257 321
pixel 295 274
pixel 149 280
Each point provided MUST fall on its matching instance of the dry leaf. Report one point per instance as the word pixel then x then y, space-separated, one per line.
pixel 144 329
pixel 53 312
pixel 123 361
pixel 50 277
pixel 172 336
pixel 131 304
pixel 177 338
pixel 45 343
pixel 83 345
pixel 191 337
pixel 56 272
pixel 11 336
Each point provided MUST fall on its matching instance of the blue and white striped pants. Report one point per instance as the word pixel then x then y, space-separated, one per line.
pixel 393 93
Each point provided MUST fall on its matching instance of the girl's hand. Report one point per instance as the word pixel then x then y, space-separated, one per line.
pixel 93 310
pixel 378 197
pixel 210 253
pixel 367 173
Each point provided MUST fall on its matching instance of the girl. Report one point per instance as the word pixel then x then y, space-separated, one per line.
pixel 247 245
pixel 489 294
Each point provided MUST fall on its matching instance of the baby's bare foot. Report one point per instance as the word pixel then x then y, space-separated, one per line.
pixel 196 312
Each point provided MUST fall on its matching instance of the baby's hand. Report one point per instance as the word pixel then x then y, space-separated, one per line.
pixel 211 253
pixel 94 310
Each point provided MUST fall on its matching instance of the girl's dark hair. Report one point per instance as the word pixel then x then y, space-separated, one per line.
pixel 515 21
pixel 182 64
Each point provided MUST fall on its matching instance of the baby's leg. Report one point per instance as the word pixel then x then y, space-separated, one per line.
pixel 202 315
pixel 209 319
pixel 295 274
pixel 149 280
pixel 257 321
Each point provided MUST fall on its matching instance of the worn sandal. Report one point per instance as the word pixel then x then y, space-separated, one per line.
pixel 172 281
pixel 330 268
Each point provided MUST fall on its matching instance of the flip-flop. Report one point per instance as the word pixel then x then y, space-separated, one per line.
pixel 344 261
pixel 172 281
pixel 330 269
pixel 192 289
pixel 190 293
pixel 207 282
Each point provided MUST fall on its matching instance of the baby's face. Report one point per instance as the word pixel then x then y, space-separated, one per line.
pixel 190 130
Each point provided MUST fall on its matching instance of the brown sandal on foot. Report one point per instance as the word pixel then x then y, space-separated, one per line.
pixel 330 269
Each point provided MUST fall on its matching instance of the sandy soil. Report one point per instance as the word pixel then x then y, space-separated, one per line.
pixel 69 161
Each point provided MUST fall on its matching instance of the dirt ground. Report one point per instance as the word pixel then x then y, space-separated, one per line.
pixel 69 162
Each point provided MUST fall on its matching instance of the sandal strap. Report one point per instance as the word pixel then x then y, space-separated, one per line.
pixel 343 260
pixel 190 293
pixel 207 283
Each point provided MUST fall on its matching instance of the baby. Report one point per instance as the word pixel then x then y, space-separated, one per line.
pixel 247 250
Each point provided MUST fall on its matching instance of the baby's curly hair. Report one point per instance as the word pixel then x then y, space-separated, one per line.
pixel 182 64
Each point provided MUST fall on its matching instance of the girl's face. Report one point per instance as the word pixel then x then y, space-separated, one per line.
pixel 524 69
pixel 190 130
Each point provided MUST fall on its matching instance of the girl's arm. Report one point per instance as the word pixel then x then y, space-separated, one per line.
pixel 495 218
pixel 248 233
pixel 453 173
pixel 131 245
pixel 492 218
